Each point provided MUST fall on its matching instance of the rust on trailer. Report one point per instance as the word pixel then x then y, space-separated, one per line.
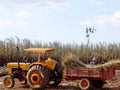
pixel 109 73
pixel 94 73
pixel 83 72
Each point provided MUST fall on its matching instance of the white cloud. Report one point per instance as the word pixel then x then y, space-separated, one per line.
pixel 22 23
pixel 56 3
pixel 33 3
pixel 97 2
pixel 112 20
pixel 5 23
pixel 23 14
pixel 86 23
pixel 101 19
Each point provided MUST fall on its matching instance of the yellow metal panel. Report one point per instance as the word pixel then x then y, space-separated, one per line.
pixel 9 70
pixel 11 65
pixel 24 66
pixel 40 63
pixel 50 64
pixel 39 50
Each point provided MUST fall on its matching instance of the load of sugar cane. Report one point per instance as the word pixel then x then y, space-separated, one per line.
pixel 111 63
pixel 71 60
pixel 74 63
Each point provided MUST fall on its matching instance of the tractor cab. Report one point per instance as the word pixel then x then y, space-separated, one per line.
pixel 49 63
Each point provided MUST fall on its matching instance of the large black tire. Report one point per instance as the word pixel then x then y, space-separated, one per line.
pixel 57 74
pixel 8 81
pixel 38 77
pixel 97 84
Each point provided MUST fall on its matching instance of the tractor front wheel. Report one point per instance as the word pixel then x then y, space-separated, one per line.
pixel 8 81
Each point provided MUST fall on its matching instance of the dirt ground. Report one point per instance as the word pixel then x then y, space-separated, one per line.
pixel 19 87
pixel 113 84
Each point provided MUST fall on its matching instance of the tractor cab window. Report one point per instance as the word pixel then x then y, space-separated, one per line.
pixel 43 57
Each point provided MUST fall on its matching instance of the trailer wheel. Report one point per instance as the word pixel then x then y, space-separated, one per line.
pixel 38 77
pixel 8 81
pixel 98 84
pixel 84 84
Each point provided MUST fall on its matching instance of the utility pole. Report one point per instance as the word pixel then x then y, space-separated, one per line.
pixel 89 31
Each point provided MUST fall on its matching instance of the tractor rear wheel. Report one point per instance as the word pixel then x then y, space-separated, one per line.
pixel 8 81
pixel 84 84
pixel 38 77
pixel 57 74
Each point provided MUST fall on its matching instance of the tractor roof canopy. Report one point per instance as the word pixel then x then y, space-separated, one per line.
pixel 39 50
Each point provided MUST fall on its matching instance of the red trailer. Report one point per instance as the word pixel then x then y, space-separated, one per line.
pixel 88 77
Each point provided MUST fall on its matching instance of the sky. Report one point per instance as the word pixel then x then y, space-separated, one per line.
pixel 64 21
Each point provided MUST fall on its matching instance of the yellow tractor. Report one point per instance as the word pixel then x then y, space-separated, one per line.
pixel 40 74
